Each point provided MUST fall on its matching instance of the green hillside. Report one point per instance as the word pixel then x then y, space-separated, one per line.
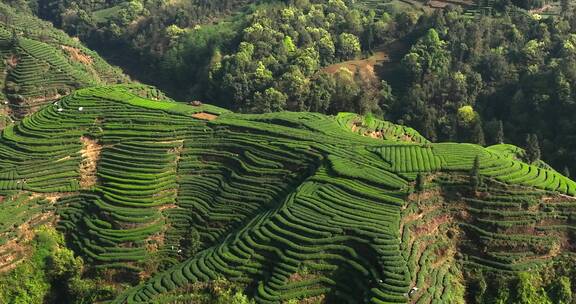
pixel 39 64
pixel 290 206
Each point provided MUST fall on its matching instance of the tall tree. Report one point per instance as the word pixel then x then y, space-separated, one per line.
pixel 566 171
pixel 561 291
pixel 348 46
pixel 532 148
pixel 477 135
pixel 322 87
pixel 387 98
pixel 14 39
pixel 420 183
pixel 346 91
pixel 565 7
pixel 428 57
pixel 429 127
pixel 529 291
pixel 271 100
pixel 499 133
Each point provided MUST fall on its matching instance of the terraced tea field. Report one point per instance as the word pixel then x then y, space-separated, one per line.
pixel 293 206
pixel 39 64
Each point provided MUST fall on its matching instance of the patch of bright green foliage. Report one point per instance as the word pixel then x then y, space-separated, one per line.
pixel 535 287
pixel 218 291
pixel 51 275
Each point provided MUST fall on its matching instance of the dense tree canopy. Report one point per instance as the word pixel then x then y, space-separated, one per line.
pixel 516 73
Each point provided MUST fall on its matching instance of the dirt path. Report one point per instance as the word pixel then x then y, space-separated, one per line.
pixel 90 155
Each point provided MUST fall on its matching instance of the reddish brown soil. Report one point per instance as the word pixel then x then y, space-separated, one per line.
pixel 12 61
pixel 90 155
pixel 77 55
pixel 431 226
pixel 361 66
pixel 205 116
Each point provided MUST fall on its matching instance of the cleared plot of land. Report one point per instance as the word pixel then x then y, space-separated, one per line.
pixel 205 116
pixel 90 152
pixel 363 66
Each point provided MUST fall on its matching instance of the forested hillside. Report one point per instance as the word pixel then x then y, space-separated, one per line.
pixel 138 34
pixel 516 73
pixel 160 202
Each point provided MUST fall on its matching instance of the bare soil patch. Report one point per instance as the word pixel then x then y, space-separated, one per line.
pixel 298 277
pixel 559 198
pixel 51 197
pixel 431 226
pixel 78 55
pixel 205 116
pixel 424 196
pixel 361 66
pixel 5 113
pixel 354 128
pixel 154 242
pixel 167 207
pixel 177 151
pixel 12 61
pixel 45 98
pixel 418 215
pixel 90 156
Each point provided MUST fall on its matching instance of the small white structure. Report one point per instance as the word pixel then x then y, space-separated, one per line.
pixel 80 109
pixel 60 109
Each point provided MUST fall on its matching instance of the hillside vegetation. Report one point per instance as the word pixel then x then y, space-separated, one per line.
pixel 163 200
pixel 39 64
pixel 511 61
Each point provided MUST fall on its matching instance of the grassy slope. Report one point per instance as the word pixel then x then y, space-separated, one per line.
pixel 295 205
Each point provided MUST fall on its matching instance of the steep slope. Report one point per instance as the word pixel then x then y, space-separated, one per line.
pixel 292 205
pixel 39 64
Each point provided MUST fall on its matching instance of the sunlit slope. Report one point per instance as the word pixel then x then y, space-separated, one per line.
pixel 41 64
pixel 294 205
